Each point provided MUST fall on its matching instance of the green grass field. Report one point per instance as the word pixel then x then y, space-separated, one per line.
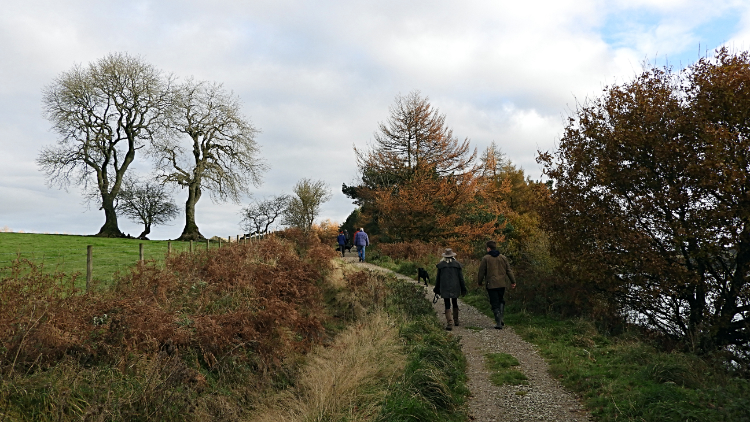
pixel 67 253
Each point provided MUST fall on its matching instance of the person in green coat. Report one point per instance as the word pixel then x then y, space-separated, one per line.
pixel 449 284
pixel 495 272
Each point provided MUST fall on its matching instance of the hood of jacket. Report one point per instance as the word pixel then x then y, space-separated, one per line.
pixel 494 253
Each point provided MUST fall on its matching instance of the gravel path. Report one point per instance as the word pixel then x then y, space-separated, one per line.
pixel 544 399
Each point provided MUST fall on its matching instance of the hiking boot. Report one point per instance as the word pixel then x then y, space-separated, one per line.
pixel 448 320
pixel 498 320
pixel 455 317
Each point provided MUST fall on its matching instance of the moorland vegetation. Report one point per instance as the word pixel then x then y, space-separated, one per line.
pixel 223 334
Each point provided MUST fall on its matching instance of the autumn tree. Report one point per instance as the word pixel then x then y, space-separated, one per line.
pixel 212 148
pixel 414 137
pixel 104 113
pixel 260 216
pixel 413 144
pixel 493 161
pixel 146 202
pixel 304 206
pixel 439 210
pixel 651 200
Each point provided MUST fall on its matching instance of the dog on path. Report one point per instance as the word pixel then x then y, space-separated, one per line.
pixel 347 248
pixel 422 274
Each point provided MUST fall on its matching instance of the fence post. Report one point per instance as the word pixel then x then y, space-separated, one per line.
pixel 89 266
pixel 140 252
pixel 219 242
pixel 169 248
pixel 191 246
pixel 238 239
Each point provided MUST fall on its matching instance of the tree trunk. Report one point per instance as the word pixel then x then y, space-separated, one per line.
pixel 146 231
pixel 110 228
pixel 191 232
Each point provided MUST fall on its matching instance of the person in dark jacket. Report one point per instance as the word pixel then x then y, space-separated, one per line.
pixel 342 241
pixel 495 272
pixel 449 284
pixel 361 240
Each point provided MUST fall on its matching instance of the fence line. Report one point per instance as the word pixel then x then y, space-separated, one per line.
pixel 61 257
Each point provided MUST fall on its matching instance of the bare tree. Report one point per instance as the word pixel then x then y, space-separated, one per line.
pixel 146 202
pixel 304 207
pixel 212 148
pixel 103 114
pixel 258 217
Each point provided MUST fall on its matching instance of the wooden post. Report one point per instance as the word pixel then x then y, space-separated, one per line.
pixel 238 239
pixel 220 243
pixel 140 252
pixel 89 265
pixel 169 248
pixel 191 246
pixel 207 243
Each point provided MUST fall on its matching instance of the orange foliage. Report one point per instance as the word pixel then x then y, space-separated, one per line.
pixel 439 209
pixel 327 231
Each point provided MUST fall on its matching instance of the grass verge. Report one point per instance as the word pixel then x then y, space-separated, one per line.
pixel 392 362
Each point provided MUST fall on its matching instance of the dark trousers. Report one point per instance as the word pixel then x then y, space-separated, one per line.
pixel 341 248
pixel 497 297
pixel 448 301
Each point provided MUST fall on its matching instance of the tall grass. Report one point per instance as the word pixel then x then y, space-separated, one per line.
pixel 345 381
pixel 394 363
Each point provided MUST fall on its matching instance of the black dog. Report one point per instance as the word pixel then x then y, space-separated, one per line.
pixel 348 248
pixel 422 274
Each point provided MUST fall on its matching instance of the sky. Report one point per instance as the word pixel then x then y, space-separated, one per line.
pixel 317 77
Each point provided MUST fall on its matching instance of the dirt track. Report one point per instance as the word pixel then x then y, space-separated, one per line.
pixel 544 399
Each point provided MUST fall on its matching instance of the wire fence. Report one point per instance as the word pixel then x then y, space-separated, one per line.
pixel 102 263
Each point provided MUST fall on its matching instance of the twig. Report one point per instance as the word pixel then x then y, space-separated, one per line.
pixel 20 345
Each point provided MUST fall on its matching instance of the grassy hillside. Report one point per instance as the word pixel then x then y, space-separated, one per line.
pixel 67 253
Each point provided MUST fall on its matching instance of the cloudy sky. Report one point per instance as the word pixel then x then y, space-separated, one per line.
pixel 317 77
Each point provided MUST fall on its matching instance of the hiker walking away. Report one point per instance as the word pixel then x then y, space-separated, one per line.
pixel 495 272
pixel 342 241
pixel 449 284
pixel 361 240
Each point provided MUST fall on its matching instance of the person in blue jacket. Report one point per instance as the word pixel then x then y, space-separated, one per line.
pixel 342 242
pixel 361 240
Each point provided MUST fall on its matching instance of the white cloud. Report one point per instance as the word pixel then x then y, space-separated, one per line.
pixel 316 78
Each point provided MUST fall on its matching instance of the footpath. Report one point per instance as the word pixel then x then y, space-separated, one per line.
pixel 543 399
